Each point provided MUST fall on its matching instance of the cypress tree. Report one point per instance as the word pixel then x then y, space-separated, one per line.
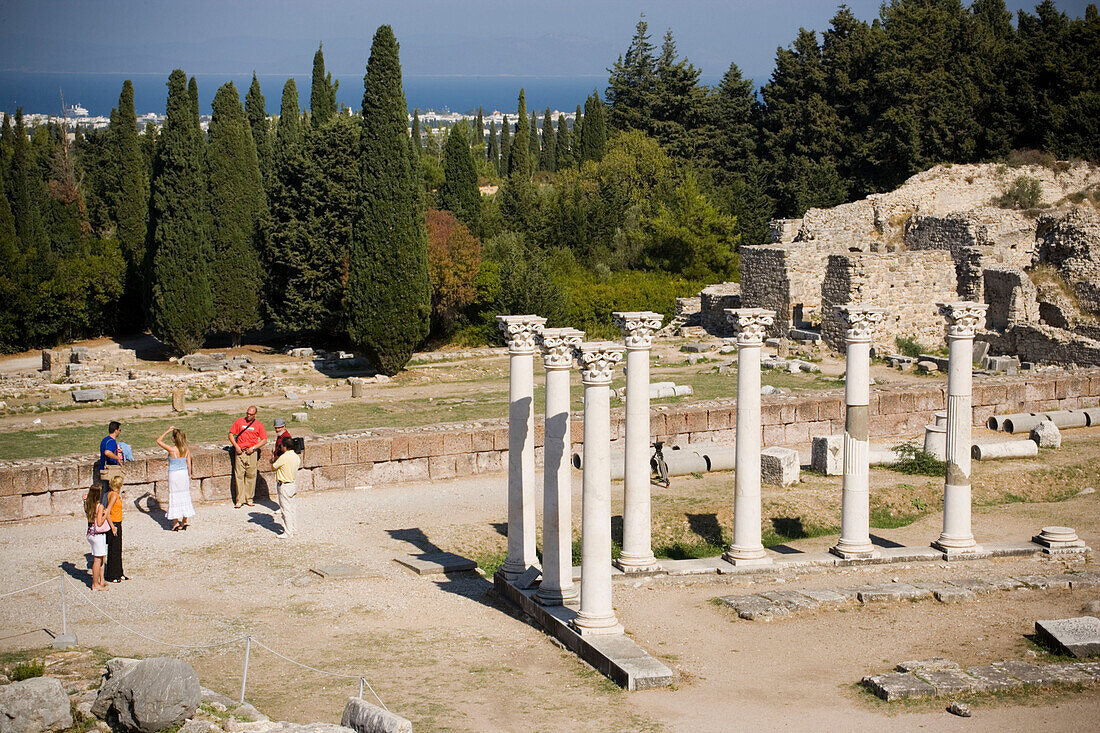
pixel 149 139
pixel 255 107
pixel 477 141
pixel 459 192
pixel 26 192
pixel 417 144
pixel 533 141
pixel 563 154
pixel 182 303
pixel 129 197
pixel 237 206
pixel 505 146
pixel 493 150
pixel 388 293
pixel 593 133
pixel 288 130
pixel 193 94
pixel 578 129
pixel 519 160
pixel 322 96
pixel 548 158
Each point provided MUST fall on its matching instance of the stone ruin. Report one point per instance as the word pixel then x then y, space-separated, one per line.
pixel 940 237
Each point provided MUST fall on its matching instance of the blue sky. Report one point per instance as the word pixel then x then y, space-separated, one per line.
pixel 485 38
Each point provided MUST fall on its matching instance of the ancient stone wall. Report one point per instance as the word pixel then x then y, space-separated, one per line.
pixel 39 488
pixel 1071 242
pixel 713 302
pixel 1011 296
pixel 786 278
pixel 906 284
pixel 1045 344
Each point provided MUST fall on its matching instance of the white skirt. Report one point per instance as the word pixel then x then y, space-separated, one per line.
pixel 99 544
pixel 179 495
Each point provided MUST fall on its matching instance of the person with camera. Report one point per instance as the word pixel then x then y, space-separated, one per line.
pixel 248 438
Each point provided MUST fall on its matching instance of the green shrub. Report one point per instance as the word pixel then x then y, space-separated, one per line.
pixel 26 670
pixel 916 460
pixel 909 347
pixel 1023 193
pixel 594 296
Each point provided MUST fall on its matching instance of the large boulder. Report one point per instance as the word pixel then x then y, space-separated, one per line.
pixel 152 695
pixel 366 718
pixel 117 668
pixel 36 705
pixel 1047 435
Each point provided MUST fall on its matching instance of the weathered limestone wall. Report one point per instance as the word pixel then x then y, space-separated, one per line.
pixel 39 488
pixel 1071 242
pixel 976 239
pixel 786 278
pixel 713 302
pixel 1011 296
pixel 906 284
pixel 1044 344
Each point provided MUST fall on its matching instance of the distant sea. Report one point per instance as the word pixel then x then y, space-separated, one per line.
pixel 41 92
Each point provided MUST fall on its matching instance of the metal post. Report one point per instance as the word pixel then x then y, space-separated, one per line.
pixel 244 677
pixel 64 640
pixel 361 681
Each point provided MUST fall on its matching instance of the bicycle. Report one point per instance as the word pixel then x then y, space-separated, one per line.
pixel 658 466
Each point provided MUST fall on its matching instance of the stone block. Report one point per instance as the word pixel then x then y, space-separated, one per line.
pixel 974 585
pixel 317 454
pixel 826 596
pixel 1028 674
pixel 11 508
pixel 358 475
pixel 774 434
pixel 465 464
pixel 304 480
pixel 362 717
pixel 422 445
pixel 1085 580
pixel 441 467
pixel 461 441
pixel 754 608
pixel 935 664
pixel 395 472
pixel 481 441
pixel 491 461
pixel 330 477
pixel 1071 673
pixel 36 505
pixel 771 413
pixel 953 595
pixel 343 452
pixel 1044 582
pixel 30 480
pixel 371 450
pixel 898 686
pixel 202 465
pixel 88 395
pixel 299 416
pixel 988 678
pixel 1079 637
pixel 826 455
pixel 791 599
pixel 696 421
pixel 217 488
pixel 890 592
pixel 156 469
pixel 779 466
pixel 947 682
pixel 1047 435
pixel 796 434
pixel 63 477
pixel 68 503
pixel 719 419
pixel 399 447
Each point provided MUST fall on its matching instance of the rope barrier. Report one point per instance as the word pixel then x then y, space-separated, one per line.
pixel 29 587
pixel 248 639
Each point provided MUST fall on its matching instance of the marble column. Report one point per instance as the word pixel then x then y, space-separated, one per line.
pixel 638 329
pixel 557 586
pixel 963 318
pixel 751 325
pixel 597 615
pixel 520 333
pixel 855 538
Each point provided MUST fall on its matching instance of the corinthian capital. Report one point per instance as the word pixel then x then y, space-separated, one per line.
pixel 557 346
pixel 638 327
pixel 751 324
pixel 520 332
pixel 963 317
pixel 598 360
pixel 860 320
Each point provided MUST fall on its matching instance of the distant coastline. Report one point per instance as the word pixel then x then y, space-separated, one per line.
pixel 40 92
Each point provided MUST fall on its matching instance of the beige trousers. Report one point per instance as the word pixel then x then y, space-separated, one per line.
pixel 244 475
pixel 286 505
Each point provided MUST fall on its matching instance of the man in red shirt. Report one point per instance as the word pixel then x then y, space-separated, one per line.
pixel 247 436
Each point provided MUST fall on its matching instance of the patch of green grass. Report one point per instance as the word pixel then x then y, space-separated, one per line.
pixel 28 669
pixel 788 529
pixel 684 550
pixel 490 560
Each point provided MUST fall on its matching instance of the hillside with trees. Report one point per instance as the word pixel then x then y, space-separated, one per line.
pixel 367 228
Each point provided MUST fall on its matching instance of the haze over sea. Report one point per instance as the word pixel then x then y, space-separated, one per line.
pixel 40 92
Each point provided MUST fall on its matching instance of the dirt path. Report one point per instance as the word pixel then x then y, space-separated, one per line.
pixel 442 653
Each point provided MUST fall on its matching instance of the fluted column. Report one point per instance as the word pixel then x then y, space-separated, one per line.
pixel 597 615
pixel 520 333
pixel 557 586
pixel 962 318
pixel 751 325
pixel 638 329
pixel 855 537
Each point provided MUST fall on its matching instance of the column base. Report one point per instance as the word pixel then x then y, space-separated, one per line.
pixel 557 596
pixel 64 641
pixel 854 552
pixel 636 563
pixel 741 557
pixel 512 571
pixel 959 551
pixel 597 626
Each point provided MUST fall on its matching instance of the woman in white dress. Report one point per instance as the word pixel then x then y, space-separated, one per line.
pixel 179 478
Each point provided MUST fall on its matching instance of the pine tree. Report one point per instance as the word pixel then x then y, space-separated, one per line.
pixel 418 145
pixel 182 303
pixel 632 88
pixel 594 132
pixel 492 151
pixel 679 105
pixel 459 193
pixel 129 197
pixel 994 56
pixel 548 158
pixel 533 141
pixel 255 107
pixel 563 152
pixel 322 97
pixel 237 206
pixel 732 149
pixel 505 146
pixel 388 293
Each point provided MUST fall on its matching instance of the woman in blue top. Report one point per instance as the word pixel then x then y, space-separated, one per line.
pixel 179 478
